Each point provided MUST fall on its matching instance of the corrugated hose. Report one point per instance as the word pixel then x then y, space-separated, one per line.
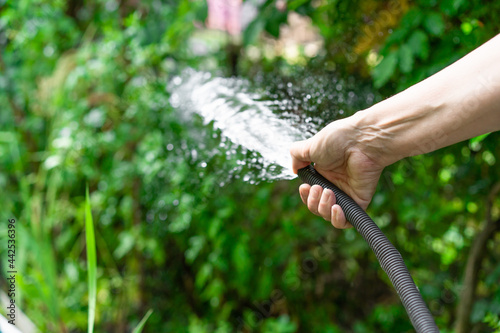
pixel 389 257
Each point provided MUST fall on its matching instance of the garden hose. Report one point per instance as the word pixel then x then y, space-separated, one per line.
pixel 388 256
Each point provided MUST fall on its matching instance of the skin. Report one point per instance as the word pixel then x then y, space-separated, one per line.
pixel 460 102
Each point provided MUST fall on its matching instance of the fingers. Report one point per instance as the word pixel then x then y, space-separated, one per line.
pixel 300 152
pixel 322 202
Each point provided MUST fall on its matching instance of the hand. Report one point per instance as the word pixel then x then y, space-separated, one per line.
pixel 337 155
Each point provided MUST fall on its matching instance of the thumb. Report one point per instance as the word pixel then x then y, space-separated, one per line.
pixel 300 152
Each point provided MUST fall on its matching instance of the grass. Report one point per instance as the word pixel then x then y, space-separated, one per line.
pixel 91 268
pixel 91 261
pixel 141 324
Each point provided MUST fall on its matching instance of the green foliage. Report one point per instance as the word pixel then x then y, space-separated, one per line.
pixel 83 90
pixel 449 28
pixel 493 321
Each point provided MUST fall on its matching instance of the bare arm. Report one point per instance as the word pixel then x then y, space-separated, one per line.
pixel 455 104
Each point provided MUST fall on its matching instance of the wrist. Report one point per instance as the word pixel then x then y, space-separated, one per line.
pixel 376 135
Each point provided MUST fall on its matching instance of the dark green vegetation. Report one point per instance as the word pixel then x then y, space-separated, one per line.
pixel 83 101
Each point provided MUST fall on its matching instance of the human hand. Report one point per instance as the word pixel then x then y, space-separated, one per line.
pixel 338 156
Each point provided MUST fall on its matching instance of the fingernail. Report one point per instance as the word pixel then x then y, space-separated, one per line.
pixel 325 197
pixel 314 193
pixel 344 223
pixel 328 194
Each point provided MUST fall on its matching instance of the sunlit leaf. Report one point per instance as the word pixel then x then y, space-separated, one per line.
pixel 384 70
pixel 253 31
pixel 434 24
pixel 418 42
pixel 412 19
pixel 405 58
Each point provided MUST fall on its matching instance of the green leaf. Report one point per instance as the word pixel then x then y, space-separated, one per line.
pixel 434 24
pixel 479 138
pixel 419 44
pixel 405 58
pixel 241 258
pixel 384 70
pixel 91 261
pixel 294 4
pixel 451 7
pixel 274 22
pixel 253 31
pixel 458 4
pixel 412 19
pixel 203 275
pixel 140 326
pixel 396 36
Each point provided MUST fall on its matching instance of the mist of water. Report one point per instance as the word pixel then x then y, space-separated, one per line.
pixel 242 116
pixel 267 115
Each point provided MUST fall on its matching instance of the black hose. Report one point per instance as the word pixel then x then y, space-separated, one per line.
pixel 390 259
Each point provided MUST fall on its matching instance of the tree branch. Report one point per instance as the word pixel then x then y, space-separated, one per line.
pixel 476 256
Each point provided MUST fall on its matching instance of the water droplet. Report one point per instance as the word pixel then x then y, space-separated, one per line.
pixel 48 51
pixel 194 154
pixel 177 80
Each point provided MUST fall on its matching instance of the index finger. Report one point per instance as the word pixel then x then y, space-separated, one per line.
pixel 300 152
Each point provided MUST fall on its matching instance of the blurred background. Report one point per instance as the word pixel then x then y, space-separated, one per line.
pixel 184 226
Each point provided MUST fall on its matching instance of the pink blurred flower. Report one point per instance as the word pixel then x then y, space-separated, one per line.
pixel 225 15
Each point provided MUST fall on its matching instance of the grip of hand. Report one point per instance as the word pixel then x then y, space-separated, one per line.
pixel 389 257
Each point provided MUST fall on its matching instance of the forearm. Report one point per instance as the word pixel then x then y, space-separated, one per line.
pixel 455 104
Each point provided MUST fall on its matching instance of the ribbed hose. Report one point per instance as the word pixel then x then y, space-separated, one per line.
pixel 390 259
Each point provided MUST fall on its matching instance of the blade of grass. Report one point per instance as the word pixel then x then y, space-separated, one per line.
pixel 141 324
pixel 91 261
